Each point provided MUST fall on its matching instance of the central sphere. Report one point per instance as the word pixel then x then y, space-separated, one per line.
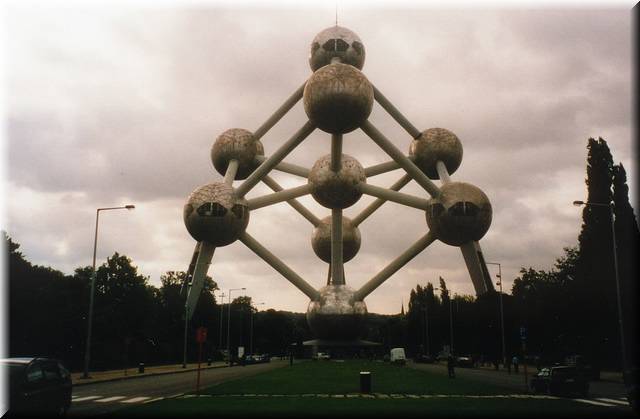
pixel 336 190
pixel 335 315
pixel 460 214
pixel 338 98
pixel 321 240
pixel 213 214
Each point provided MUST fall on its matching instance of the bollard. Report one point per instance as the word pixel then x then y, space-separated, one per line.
pixel 209 362
pixel 141 368
pixel 365 382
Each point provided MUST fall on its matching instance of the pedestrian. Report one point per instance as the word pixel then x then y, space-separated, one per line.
pixel 508 367
pixel 450 366
pixel 514 360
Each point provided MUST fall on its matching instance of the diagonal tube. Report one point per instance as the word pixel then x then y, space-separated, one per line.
pixel 276 158
pixel 477 267
pixel 378 202
pixel 337 266
pixel 395 113
pixel 279 266
pixel 230 174
pixel 402 160
pixel 443 174
pixel 399 197
pixel 290 168
pixel 381 168
pixel 279 113
pixel 192 265
pixel 274 198
pixel 295 204
pixel 199 273
pixel 393 267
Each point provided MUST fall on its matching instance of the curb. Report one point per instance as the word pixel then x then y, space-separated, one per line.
pixel 149 374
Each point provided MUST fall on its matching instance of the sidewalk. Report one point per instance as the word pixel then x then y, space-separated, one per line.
pixel 612 376
pixel 121 374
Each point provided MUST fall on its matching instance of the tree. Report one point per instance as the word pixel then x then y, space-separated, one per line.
pixel 627 238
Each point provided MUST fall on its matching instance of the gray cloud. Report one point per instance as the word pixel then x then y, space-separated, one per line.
pixel 110 105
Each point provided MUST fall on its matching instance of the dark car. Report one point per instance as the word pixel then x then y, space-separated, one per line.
pixel 37 385
pixel 560 381
pixel 424 359
pixel 465 361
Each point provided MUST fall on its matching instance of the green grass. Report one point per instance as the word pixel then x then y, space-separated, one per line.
pixel 292 383
pixel 344 377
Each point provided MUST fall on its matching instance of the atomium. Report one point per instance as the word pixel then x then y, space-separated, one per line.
pixel 337 99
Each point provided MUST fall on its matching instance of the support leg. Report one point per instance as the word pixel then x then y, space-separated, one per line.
pixel 199 273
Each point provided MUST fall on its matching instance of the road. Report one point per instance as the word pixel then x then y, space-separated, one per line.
pixel 611 392
pixel 99 398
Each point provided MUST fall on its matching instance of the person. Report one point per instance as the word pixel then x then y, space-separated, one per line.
pixel 508 366
pixel 450 366
pixel 514 360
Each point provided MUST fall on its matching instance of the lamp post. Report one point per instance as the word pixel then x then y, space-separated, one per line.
pixel 426 327
pixel 221 313
pixel 615 268
pixel 87 352
pixel 251 330
pixel 504 353
pixel 229 323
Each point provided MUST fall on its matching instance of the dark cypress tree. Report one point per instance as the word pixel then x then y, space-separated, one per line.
pixel 627 238
pixel 595 280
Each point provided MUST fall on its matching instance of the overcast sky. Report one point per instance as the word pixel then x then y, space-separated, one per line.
pixel 115 104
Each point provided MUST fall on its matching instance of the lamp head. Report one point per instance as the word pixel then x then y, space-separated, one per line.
pixel 129 207
pixel 578 203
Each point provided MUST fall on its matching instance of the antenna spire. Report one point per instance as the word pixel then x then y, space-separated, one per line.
pixel 336 13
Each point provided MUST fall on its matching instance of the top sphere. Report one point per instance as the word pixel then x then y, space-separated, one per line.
pixel 433 145
pixel 339 42
pixel 236 144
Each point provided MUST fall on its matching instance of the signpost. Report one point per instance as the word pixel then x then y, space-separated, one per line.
pixel 201 337
pixel 523 338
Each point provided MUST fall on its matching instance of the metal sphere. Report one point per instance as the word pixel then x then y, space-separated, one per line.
pixel 338 98
pixel 436 144
pixel 336 190
pixel 236 144
pixel 335 315
pixel 321 240
pixel 339 42
pixel 213 214
pixel 461 213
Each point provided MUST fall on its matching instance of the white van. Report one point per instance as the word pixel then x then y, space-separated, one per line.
pixel 397 356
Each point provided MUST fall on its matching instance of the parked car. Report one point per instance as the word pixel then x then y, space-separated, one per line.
pixel 37 386
pixel 322 356
pixel 560 381
pixel 465 361
pixel 397 356
pixel 424 359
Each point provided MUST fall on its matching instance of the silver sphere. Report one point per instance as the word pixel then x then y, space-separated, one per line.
pixel 338 98
pixel 339 42
pixel 336 190
pixel 461 213
pixel 236 144
pixel 335 315
pixel 321 240
pixel 213 214
pixel 436 144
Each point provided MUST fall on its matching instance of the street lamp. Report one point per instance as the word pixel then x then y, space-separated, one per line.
pixel 504 353
pixel 229 323
pixel 87 352
pixel 251 330
pixel 615 267
pixel 221 313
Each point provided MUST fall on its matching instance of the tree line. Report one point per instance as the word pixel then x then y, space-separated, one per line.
pixel 569 309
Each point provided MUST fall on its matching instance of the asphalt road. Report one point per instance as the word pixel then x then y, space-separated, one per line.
pixel 516 381
pixel 99 398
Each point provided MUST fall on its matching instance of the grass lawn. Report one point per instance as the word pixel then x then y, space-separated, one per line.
pixel 320 389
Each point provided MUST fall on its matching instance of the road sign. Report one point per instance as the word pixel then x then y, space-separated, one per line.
pixel 201 334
